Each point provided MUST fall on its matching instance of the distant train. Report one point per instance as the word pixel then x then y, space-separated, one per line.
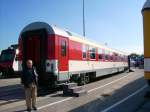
pixel 62 56
pixel 9 61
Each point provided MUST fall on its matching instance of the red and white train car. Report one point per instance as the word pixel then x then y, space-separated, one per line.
pixel 60 55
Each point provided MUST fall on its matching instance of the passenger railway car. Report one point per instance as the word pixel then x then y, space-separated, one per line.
pixel 61 56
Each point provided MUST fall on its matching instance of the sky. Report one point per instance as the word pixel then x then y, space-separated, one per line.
pixel 117 23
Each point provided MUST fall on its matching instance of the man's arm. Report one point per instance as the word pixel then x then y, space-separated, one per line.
pixel 36 75
pixel 35 72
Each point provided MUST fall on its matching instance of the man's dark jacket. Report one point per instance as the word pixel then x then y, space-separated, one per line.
pixel 29 76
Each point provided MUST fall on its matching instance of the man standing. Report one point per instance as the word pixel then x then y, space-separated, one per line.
pixel 29 80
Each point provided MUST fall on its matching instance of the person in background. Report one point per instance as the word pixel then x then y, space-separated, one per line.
pixel 29 80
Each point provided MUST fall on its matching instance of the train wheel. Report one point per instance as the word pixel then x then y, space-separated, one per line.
pixel 81 80
pixel 84 79
pixel 87 79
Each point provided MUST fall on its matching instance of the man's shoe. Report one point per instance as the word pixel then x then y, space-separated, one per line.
pixel 34 108
pixel 28 109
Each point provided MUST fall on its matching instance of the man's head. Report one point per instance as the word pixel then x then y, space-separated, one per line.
pixel 29 63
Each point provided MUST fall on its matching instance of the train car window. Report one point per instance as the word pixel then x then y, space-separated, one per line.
pixel 111 56
pixel 92 53
pixel 63 48
pixel 6 56
pixel 114 56
pixel 106 55
pixel 100 54
pixel 84 49
pixel 119 57
pixel 125 58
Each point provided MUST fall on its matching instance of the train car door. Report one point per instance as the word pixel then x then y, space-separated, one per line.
pixel 33 48
pixel 63 54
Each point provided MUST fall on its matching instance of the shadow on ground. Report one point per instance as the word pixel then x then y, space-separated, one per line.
pixel 11 93
pixel 104 100
pixel 14 93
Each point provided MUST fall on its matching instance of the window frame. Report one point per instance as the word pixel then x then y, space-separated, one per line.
pixel 107 52
pixel 84 50
pixel 100 52
pixel 111 57
pixel 63 46
pixel 90 52
pixel 116 57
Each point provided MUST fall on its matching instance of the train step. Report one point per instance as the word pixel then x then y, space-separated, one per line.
pixel 69 85
pixel 80 93
pixel 76 89
pixel 72 89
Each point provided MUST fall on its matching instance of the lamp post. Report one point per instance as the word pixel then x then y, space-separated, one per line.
pixel 83 20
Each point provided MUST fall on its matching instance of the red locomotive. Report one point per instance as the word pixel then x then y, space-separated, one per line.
pixel 9 61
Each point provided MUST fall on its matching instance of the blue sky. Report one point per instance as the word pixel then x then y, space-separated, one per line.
pixel 115 22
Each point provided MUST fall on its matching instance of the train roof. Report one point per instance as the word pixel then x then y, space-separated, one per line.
pixel 52 29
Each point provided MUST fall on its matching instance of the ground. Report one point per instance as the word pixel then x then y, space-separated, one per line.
pixel 122 92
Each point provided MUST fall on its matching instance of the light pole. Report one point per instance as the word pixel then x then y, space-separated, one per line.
pixel 83 20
